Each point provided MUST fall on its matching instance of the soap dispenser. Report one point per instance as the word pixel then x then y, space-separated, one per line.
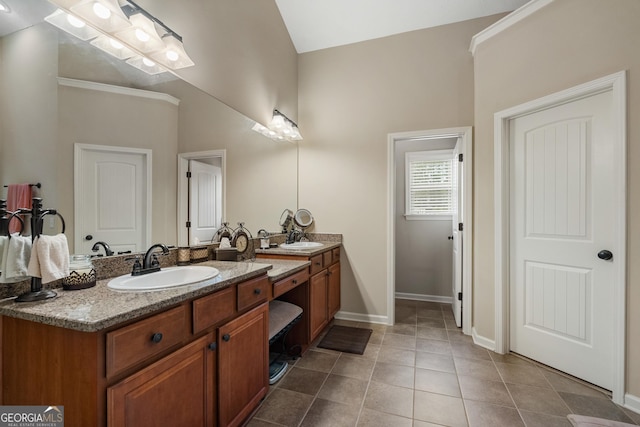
pixel 264 238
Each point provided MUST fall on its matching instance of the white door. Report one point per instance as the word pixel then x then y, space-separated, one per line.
pixel 205 201
pixel 562 215
pixel 110 193
pixel 456 220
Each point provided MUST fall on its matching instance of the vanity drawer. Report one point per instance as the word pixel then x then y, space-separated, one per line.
pixel 253 292
pixel 214 308
pixel 289 283
pixel 132 344
pixel 316 264
pixel 335 255
pixel 326 258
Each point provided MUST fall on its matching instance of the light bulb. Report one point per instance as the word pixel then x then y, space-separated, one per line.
pixel 148 62
pixel 3 8
pixel 75 21
pixel 115 44
pixel 101 11
pixel 172 55
pixel 142 36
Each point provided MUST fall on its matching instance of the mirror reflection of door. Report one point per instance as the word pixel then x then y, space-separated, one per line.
pixel 112 197
pixel 205 198
pixel 457 199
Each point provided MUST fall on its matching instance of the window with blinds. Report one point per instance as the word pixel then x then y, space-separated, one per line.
pixel 429 184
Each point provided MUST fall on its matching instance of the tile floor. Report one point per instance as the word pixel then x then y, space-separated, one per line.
pixel 424 372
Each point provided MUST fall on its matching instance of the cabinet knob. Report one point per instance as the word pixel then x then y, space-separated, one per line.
pixel 157 337
pixel 213 346
pixel 257 291
pixel 226 337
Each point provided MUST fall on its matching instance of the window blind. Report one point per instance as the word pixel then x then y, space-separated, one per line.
pixel 429 185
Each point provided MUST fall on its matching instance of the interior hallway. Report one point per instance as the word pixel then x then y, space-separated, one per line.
pixel 424 372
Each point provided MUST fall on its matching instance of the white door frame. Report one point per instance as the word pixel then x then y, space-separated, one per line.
pixel 466 149
pixel 183 188
pixel 79 151
pixel 616 83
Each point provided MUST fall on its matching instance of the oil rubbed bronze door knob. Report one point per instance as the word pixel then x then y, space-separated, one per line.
pixel 605 255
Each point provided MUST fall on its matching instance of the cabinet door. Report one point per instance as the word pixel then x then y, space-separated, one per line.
pixel 334 289
pixel 243 365
pixel 318 315
pixel 178 390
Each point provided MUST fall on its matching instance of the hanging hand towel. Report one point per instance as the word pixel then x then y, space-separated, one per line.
pixel 3 244
pixel 15 258
pixel 18 196
pixel 50 258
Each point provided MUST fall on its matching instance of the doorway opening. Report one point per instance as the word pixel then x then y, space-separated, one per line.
pixel 421 262
pixel 201 195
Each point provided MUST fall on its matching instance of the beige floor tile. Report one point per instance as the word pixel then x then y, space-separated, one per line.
pixel 432 333
pixel 433 346
pixel 349 391
pixel 486 391
pixel 402 329
pixel 303 381
pixel 595 407
pixel 509 358
pixel 318 360
pixel 538 399
pixel 324 413
pixel 439 409
pixel 399 356
pixel 437 382
pixel 284 407
pixel 353 367
pixel 437 362
pixel 398 375
pixel 431 323
pixel 428 305
pixel 389 399
pixel 534 419
pixel 563 383
pixel 483 369
pixel 400 341
pixel 429 313
pixel 376 337
pixel 522 374
pixel 483 414
pixel 371 418
pixel 469 350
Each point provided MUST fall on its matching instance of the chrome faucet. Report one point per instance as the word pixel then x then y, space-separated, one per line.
pixel 107 249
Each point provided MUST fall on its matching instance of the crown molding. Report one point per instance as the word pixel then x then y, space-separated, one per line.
pixel 506 22
pixel 120 90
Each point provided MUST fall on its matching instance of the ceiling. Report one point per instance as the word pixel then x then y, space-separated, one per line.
pixel 314 24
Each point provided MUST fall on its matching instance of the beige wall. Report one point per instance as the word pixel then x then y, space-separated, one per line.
pixel 350 99
pixel 564 44
pixel 101 118
pixel 242 50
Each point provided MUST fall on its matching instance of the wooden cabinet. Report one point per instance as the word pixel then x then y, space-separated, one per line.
pixel 243 360
pixel 203 362
pixel 318 313
pixel 320 299
pixel 178 390
pixel 333 291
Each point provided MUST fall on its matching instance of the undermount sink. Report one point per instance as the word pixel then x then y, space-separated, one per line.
pixel 301 245
pixel 165 278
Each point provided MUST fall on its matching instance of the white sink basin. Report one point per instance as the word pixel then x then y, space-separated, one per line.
pixel 301 245
pixel 165 278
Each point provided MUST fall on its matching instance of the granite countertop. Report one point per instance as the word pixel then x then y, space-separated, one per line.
pixel 300 252
pixel 100 307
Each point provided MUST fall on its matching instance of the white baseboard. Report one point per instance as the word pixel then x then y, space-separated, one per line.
pixel 359 317
pixel 422 297
pixel 483 341
pixel 632 402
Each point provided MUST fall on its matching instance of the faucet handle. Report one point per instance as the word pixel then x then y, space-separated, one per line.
pixel 137 266
pixel 154 261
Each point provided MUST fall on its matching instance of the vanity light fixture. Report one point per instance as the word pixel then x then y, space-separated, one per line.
pixel 127 32
pixel 4 7
pixel 280 128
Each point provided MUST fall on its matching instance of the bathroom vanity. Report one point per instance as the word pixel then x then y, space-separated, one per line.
pixel 193 355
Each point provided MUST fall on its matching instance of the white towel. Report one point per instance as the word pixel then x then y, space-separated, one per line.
pixel 3 242
pixel 50 258
pixel 15 257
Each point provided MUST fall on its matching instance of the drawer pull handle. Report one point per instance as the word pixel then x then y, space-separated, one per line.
pixel 226 337
pixel 157 337
pixel 294 281
pixel 257 291
pixel 213 346
pixel 318 263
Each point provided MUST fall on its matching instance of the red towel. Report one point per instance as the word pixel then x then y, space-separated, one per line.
pixel 18 197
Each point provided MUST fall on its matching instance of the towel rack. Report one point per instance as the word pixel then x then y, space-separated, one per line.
pixel 38 185
pixel 37 217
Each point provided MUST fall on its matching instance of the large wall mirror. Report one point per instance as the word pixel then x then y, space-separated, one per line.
pixel 46 109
